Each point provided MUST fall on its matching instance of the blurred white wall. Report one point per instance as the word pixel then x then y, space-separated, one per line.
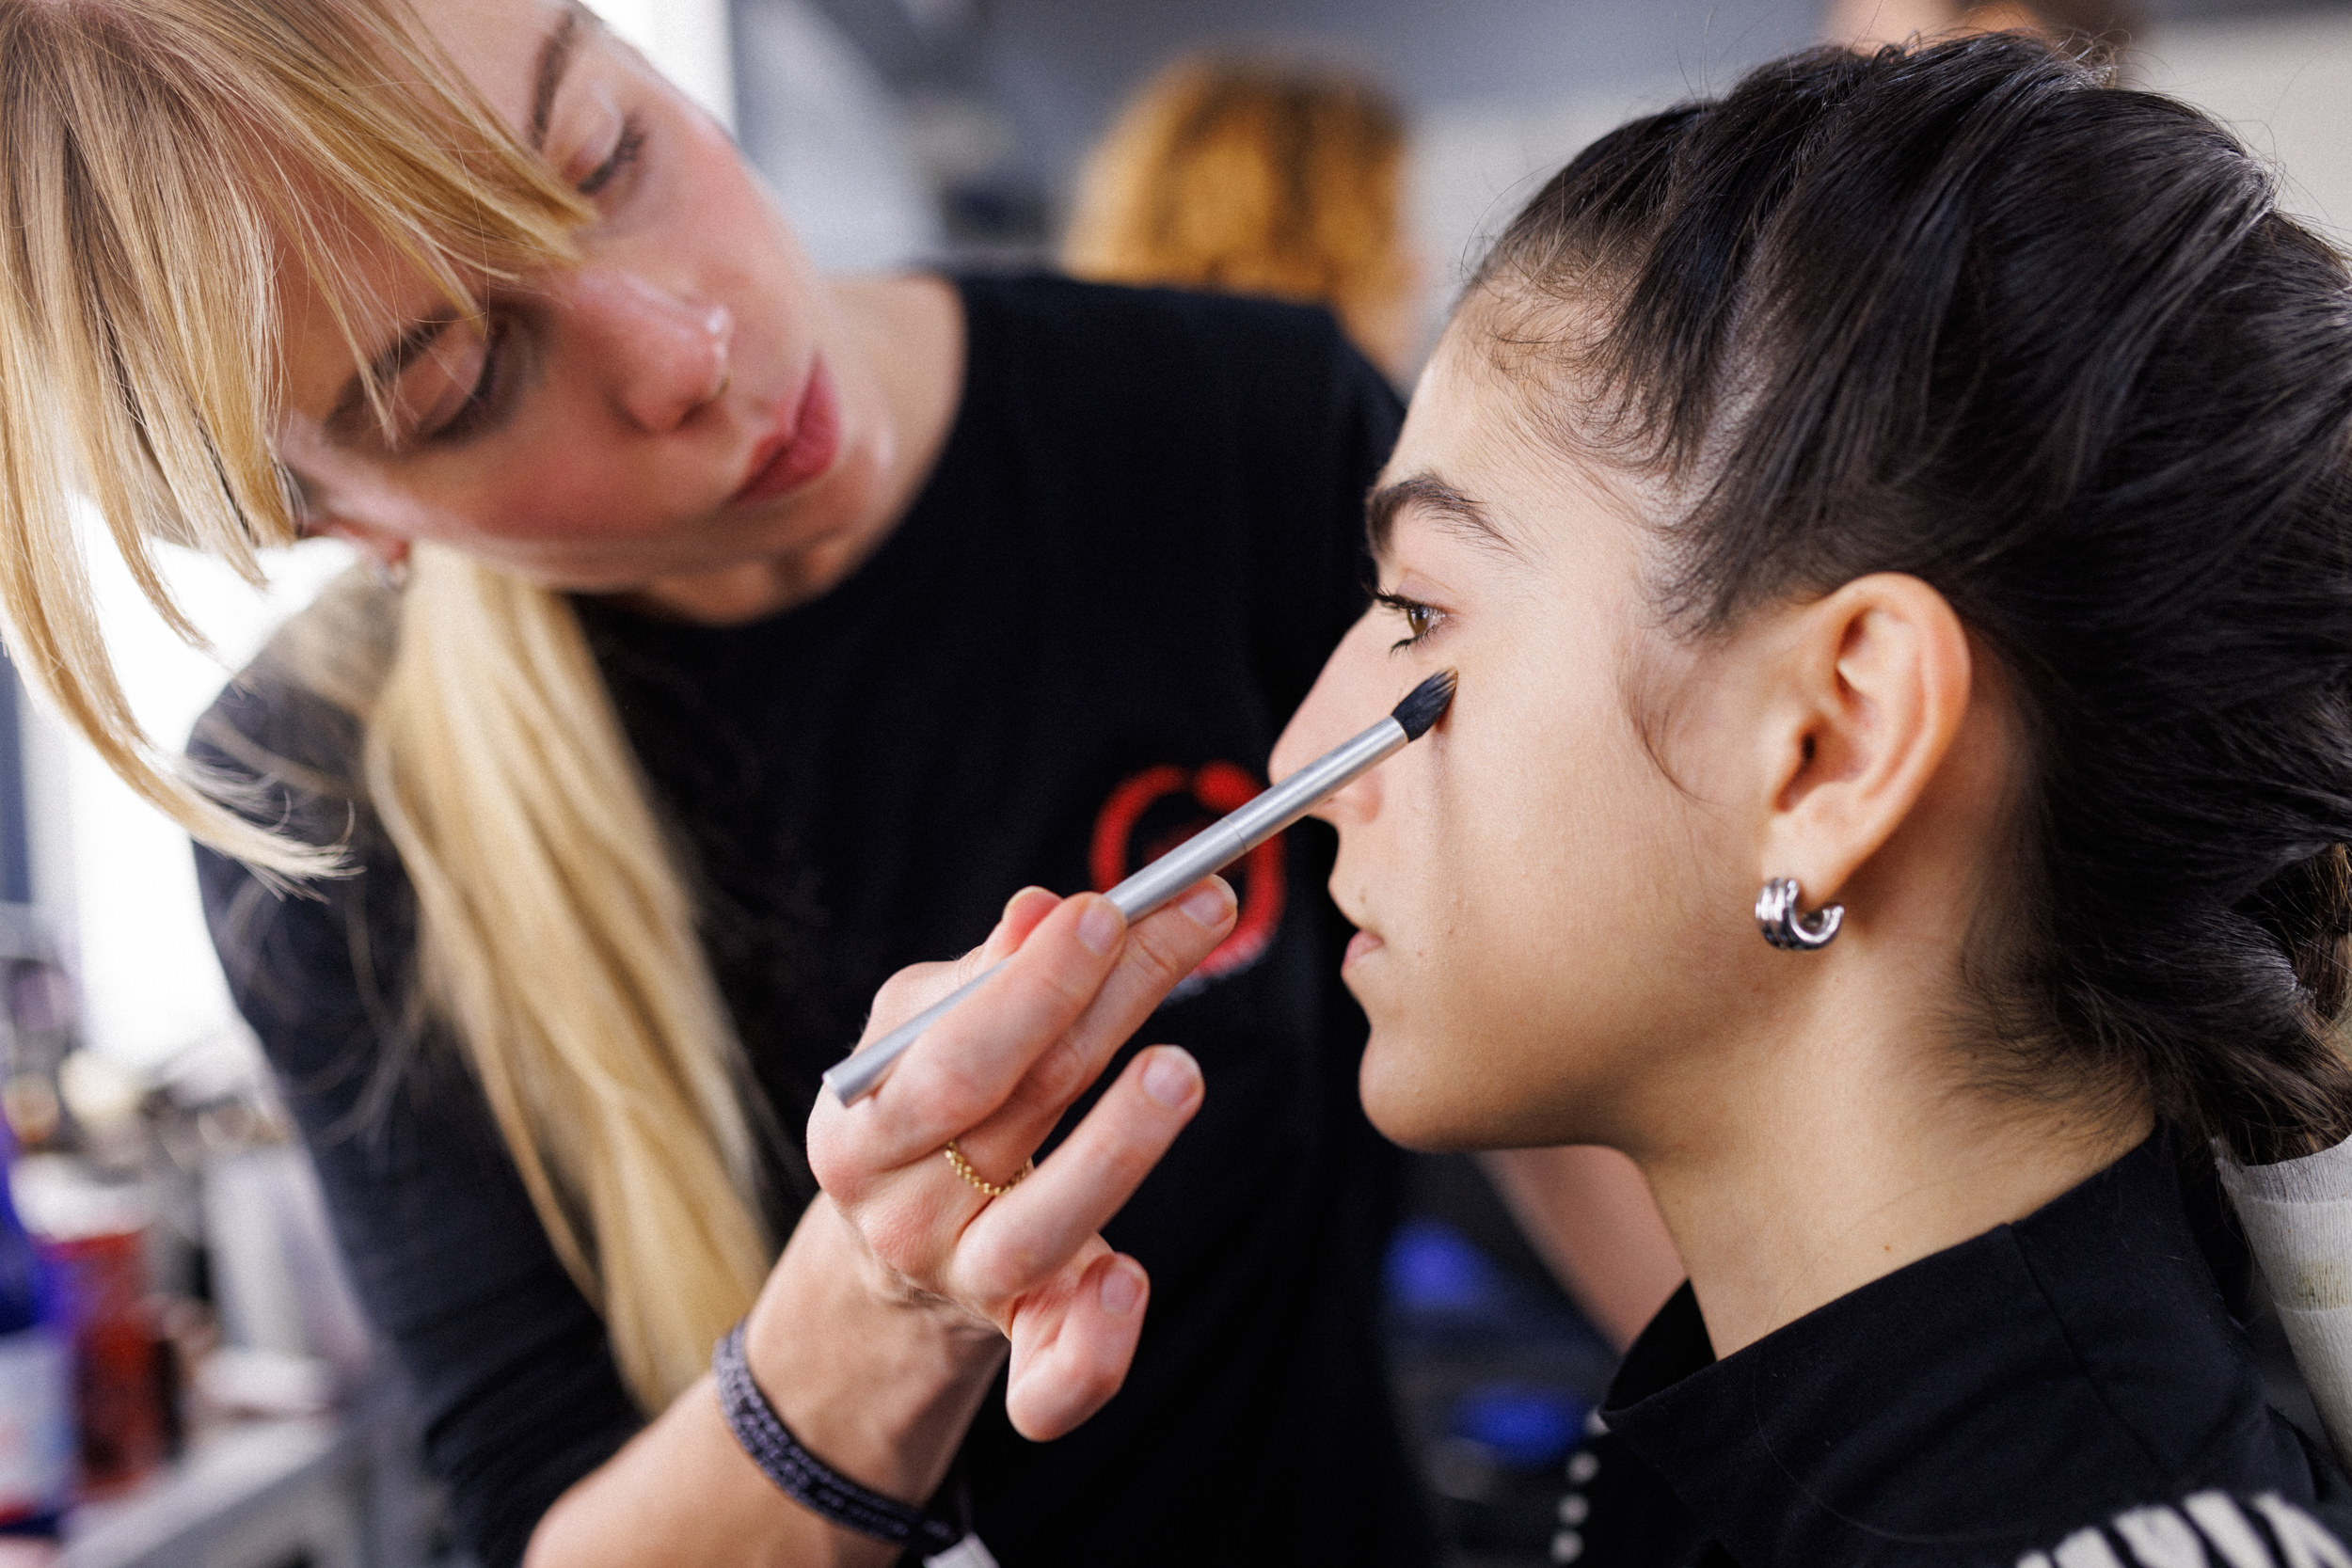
pixel 2283 82
pixel 688 39
pixel 118 879
pixel 819 123
pixel 2284 85
pixel 116 876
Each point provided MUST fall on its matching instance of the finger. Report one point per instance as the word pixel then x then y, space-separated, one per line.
pixel 1023 913
pixel 917 985
pixel 1023 1239
pixel 1070 1355
pixel 964 1065
pixel 1161 950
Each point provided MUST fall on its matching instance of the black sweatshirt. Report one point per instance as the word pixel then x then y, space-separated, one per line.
pixel 1141 540
pixel 2064 1392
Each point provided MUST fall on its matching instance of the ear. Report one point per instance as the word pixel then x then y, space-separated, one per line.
pixel 1872 683
pixel 390 551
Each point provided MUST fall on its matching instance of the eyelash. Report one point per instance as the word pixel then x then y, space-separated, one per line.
pixel 479 402
pixel 1420 619
pixel 624 152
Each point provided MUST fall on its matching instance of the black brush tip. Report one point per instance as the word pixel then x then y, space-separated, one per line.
pixel 1424 704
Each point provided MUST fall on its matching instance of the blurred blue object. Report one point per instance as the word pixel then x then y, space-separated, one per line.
pixel 1527 1425
pixel 1431 1270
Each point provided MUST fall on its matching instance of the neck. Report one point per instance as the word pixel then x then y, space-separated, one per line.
pixel 906 335
pixel 1828 1158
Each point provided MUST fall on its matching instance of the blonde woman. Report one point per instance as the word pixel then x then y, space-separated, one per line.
pixel 739 639
pixel 1251 175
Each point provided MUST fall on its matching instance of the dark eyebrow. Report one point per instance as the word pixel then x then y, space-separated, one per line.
pixel 555 57
pixel 1456 513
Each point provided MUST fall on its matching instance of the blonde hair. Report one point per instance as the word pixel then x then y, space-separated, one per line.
pixel 1249 177
pixel 166 159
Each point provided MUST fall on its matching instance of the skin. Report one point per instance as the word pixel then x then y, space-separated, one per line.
pixel 1867 23
pixel 630 401
pixel 1589 1213
pixel 1555 888
pixel 632 397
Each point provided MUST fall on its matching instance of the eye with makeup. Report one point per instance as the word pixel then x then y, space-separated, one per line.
pixel 458 385
pixel 627 149
pixel 1421 620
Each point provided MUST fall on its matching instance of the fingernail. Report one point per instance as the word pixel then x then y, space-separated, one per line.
pixel 1014 902
pixel 1170 1078
pixel 1099 928
pixel 1208 904
pixel 1122 1287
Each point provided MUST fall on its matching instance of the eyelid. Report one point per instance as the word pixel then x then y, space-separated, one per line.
pixel 1432 617
pixel 491 385
pixel 625 148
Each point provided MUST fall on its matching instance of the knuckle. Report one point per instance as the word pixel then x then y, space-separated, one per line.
pixel 897 1237
pixel 1067 988
pixel 1166 956
pixel 1060 1073
pixel 834 1157
pixel 996 1270
pixel 902 995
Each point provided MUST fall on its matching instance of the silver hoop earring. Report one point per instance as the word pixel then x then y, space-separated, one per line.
pixel 1776 915
pixel 390 576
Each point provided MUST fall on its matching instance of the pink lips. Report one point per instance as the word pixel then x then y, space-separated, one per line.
pixel 802 449
pixel 1362 944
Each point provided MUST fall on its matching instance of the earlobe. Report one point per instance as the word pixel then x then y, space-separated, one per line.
pixel 1876 678
pixel 386 552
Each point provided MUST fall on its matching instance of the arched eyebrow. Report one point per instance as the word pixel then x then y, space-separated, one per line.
pixel 555 58
pixel 1452 511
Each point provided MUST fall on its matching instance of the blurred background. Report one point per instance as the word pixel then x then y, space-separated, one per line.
pixel 230 1412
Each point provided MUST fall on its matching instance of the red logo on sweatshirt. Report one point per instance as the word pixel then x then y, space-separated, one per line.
pixel 1159 808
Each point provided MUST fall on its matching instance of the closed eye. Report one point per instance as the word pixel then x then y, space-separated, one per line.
pixel 481 399
pixel 624 154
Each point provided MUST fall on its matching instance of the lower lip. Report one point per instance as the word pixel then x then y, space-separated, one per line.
pixel 816 441
pixel 1359 946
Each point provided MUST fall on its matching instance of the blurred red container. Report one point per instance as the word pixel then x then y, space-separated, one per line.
pixel 118 1398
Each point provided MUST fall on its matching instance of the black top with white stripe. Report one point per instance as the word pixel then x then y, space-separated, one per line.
pixel 2065 1392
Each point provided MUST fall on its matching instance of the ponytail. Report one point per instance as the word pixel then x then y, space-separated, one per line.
pixel 557 941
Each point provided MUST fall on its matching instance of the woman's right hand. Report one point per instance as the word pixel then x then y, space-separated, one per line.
pixel 997 1075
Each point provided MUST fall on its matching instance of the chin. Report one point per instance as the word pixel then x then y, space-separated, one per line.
pixel 1419 1094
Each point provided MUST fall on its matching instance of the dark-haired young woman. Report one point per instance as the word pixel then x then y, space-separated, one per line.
pixel 1893 528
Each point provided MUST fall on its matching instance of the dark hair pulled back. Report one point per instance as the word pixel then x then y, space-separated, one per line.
pixel 1968 312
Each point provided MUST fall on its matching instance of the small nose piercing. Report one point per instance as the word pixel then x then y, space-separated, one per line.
pixel 719 325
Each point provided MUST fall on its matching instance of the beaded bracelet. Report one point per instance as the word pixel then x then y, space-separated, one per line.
pixel 821 1488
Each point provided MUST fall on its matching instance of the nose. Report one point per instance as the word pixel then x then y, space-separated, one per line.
pixel 664 355
pixel 1350 694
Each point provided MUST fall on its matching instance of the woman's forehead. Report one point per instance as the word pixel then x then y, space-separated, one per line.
pixel 513 52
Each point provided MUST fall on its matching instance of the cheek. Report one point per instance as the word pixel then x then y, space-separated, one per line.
pixel 1531 974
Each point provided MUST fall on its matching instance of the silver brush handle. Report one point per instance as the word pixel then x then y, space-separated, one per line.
pixel 1212 849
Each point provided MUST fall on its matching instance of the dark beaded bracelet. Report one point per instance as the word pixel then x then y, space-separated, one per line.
pixel 816 1485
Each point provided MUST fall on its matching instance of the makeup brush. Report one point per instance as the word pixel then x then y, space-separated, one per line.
pixel 1212 849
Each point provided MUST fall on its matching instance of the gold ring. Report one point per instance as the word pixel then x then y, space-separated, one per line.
pixel 964 1168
